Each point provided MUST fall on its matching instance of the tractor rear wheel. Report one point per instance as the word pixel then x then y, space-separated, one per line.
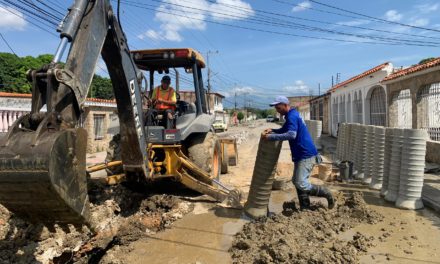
pixel 204 150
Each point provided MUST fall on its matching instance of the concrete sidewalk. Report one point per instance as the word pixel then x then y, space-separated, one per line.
pixel 431 187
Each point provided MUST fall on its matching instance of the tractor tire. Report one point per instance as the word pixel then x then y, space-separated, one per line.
pixel 114 153
pixel 225 161
pixel 204 150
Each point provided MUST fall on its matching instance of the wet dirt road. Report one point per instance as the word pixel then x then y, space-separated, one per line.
pixel 206 234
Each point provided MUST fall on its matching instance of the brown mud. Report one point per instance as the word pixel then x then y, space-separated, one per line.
pixel 307 236
pixel 119 216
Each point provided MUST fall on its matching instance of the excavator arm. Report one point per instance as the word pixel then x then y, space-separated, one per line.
pixel 42 157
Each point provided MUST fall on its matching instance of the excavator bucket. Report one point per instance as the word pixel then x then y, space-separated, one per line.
pixel 42 174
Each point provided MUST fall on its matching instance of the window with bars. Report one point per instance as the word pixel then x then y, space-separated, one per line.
pixel 377 107
pixel 402 100
pixel 429 106
pixel 98 126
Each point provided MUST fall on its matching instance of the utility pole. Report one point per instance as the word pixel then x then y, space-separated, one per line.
pixel 209 76
pixel 235 97
pixel 333 84
pixel 319 89
pixel 338 78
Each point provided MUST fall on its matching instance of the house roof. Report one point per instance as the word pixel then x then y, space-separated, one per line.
pixel 26 95
pixel 412 70
pixel 359 76
pixel 220 95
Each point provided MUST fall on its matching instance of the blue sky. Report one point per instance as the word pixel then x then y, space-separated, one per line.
pixel 257 65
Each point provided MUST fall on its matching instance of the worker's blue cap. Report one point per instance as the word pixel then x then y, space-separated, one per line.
pixel 280 100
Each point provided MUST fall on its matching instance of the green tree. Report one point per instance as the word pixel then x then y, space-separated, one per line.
pixel 101 88
pixel 427 60
pixel 13 79
pixel 240 116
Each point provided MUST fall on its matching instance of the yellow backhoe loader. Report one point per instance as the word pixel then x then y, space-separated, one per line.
pixel 42 157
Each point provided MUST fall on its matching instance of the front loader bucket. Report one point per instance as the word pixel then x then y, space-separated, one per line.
pixel 43 177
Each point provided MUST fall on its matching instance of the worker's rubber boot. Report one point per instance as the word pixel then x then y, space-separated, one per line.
pixel 321 191
pixel 304 199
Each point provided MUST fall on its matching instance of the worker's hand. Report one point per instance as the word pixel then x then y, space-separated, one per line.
pixel 265 136
pixel 267 131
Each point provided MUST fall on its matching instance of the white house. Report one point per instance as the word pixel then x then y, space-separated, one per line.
pixel 360 99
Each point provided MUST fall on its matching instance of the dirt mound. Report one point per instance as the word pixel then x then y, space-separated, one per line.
pixel 307 236
pixel 118 216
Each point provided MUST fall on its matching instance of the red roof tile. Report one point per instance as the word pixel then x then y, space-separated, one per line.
pixel 412 69
pixel 359 76
pixel 24 95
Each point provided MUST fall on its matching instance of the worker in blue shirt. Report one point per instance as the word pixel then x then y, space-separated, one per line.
pixel 304 153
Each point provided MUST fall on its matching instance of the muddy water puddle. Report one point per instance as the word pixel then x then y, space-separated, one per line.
pixel 205 235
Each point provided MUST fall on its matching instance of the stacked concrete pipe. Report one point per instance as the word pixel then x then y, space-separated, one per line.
pixel 396 157
pixel 340 143
pixel 347 138
pixel 379 156
pixel 387 160
pixel 353 139
pixel 358 149
pixel 369 156
pixel 412 169
pixel 262 178
pixel 364 153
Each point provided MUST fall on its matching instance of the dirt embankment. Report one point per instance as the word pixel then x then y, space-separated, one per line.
pixel 119 216
pixel 308 236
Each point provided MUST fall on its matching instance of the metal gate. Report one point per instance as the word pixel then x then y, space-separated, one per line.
pixel 429 101
pixel 404 108
pixel 377 107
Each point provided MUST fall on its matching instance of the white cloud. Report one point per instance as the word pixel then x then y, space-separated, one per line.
pixel 243 90
pixel 302 6
pixel 298 88
pixel 176 16
pixel 9 21
pixel 419 22
pixel 393 15
pixel 357 22
pixel 427 8
pixel 151 34
pixel 221 9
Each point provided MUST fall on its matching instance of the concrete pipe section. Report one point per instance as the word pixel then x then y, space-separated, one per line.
pixel 378 159
pixel 358 149
pixel 347 142
pixel 353 139
pixel 387 161
pixel 412 169
pixel 364 152
pixel 369 156
pixel 339 143
pixel 396 157
pixel 262 178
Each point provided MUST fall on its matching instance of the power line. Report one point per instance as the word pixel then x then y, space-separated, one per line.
pixel 387 41
pixel 249 11
pixel 30 20
pixel 7 44
pixel 374 18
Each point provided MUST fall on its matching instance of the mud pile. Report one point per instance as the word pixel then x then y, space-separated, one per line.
pixel 308 236
pixel 119 216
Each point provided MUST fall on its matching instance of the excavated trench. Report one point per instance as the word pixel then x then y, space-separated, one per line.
pixel 119 217
pixel 307 236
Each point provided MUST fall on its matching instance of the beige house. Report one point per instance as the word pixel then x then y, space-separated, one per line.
pixel 320 110
pixel 99 117
pixel 414 102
